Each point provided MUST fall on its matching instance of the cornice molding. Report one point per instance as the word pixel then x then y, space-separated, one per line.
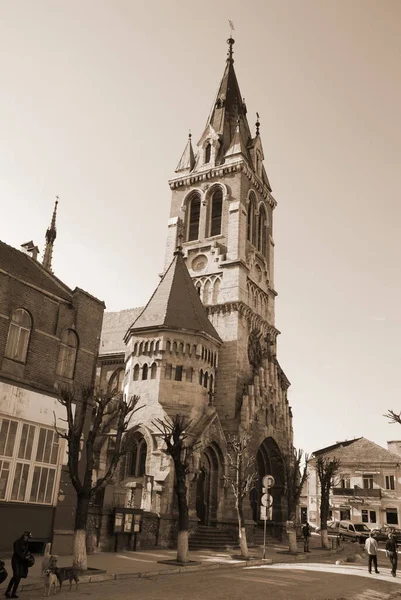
pixel 245 311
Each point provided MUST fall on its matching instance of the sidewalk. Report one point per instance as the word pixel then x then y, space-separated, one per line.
pixel 125 565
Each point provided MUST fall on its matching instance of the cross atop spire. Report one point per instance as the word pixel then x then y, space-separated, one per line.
pixel 51 234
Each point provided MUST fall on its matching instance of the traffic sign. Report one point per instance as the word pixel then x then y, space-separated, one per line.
pixel 266 500
pixel 268 481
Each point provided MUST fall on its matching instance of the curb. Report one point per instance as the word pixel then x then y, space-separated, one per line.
pixel 175 570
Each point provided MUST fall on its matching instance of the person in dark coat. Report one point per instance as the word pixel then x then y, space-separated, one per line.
pixel 391 552
pixel 306 536
pixel 19 564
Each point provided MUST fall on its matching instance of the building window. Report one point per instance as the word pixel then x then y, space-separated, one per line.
pixel 345 483
pixel 18 335
pixel 251 220
pixel 368 516
pixel 136 373
pixel 217 209
pixel 201 377
pixel 67 354
pixel 368 482
pixel 262 231
pixel 153 371
pixel 178 373
pixel 208 152
pixel 392 516
pixel 29 457
pixel 390 482
pixel 345 514
pixel 137 465
pixel 145 369
pixel 116 383
pixel 168 371
pixel 193 220
pixel 189 373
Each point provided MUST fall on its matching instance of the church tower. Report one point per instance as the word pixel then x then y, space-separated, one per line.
pixel 222 208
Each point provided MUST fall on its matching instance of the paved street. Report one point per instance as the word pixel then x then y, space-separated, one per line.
pixel 313 581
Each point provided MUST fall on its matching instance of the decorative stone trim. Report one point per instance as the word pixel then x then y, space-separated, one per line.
pixel 255 320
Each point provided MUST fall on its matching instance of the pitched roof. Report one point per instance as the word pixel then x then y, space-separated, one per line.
pixel 359 451
pixel 21 265
pixel 175 304
pixel 115 326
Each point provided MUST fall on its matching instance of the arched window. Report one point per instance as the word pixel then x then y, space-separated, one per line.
pixel 136 372
pixel 145 369
pixel 199 288
pixel 67 354
pixel 206 292
pixel 18 335
pixel 205 379
pixel 137 464
pixel 153 371
pixel 167 372
pixel 189 373
pixel 201 377
pixel 157 346
pixel 168 346
pixel 208 152
pixel 262 231
pixel 251 229
pixel 193 219
pixel 217 209
pixel 216 289
pixel 116 382
pixel 211 383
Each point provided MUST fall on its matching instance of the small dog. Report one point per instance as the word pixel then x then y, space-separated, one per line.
pixel 67 574
pixel 50 582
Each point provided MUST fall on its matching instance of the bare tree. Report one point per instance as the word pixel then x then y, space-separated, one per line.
pixel 174 433
pixel 101 415
pixel 327 468
pixel 295 480
pixel 393 417
pixel 242 478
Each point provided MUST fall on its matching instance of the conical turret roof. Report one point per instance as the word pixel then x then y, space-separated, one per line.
pixel 175 304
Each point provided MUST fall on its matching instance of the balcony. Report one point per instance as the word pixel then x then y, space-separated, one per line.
pixel 358 492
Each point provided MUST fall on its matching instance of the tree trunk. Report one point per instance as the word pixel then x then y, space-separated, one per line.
pixel 81 518
pixel 181 491
pixel 242 531
pixel 325 538
pixel 292 541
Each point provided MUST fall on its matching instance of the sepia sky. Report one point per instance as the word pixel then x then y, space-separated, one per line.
pixel 97 97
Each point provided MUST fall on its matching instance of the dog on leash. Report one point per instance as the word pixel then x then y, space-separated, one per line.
pixel 67 574
pixel 50 582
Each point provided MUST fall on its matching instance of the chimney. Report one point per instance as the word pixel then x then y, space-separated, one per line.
pixel 30 249
pixel 394 447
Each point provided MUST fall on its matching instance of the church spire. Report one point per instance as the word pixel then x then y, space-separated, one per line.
pixel 228 107
pixel 51 235
pixel 187 159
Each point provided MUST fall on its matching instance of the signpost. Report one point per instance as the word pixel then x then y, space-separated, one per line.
pixel 266 502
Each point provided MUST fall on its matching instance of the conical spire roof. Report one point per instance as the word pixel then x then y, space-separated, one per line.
pixel 229 106
pixel 175 304
pixel 187 159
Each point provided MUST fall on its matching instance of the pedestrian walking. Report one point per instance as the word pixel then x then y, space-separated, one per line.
pixel 372 549
pixel 391 553
pixel 21 560
pixel 306 536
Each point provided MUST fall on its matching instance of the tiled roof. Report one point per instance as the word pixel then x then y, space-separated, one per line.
pixel 115 326
pixel 176 304
pixel 21 265
pixel 359 451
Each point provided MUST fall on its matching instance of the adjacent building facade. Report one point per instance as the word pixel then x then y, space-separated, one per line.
pixel 49 338
pixel 367 489
pixel 205 345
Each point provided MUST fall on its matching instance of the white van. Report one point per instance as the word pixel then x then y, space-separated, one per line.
pixel 354 531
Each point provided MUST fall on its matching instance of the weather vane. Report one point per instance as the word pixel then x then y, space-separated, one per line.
pixel 232 28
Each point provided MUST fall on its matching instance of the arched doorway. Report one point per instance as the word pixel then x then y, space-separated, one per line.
pixel 269 461
pixel 207 487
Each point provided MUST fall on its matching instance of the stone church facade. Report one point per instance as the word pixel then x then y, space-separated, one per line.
pixel 205 344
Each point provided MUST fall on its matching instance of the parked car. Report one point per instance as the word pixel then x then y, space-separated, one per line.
pixel 332 528
pixel 381 533
pixel 355 531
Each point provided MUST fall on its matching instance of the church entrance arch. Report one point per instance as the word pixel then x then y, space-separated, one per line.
pixel 207 487
pixel 269 461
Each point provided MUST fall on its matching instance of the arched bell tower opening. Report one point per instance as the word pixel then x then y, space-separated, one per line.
pixel 207 487
pixel 269 461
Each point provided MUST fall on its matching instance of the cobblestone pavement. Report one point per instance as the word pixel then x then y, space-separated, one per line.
pixel 313 581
